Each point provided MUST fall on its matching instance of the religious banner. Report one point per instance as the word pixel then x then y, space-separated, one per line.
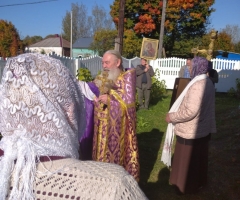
pixel 149 49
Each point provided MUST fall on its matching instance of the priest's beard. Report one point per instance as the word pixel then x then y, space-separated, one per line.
pixel 106 80
pixel 113 74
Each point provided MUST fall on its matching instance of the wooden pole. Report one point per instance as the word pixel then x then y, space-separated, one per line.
pixel 119 39
pixel 160 48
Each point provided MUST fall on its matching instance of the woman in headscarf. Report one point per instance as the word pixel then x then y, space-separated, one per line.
pixel 42 117
pixel 192 119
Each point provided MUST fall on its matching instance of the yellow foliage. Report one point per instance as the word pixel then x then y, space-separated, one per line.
pixel 9 39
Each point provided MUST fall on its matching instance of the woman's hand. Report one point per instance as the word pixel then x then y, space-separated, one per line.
pixel 168 120
pixel 103 99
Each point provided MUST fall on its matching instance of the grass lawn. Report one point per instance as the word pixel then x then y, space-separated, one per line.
pixel 224 155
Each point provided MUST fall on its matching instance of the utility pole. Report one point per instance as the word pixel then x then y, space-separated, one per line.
pixel 61 42
pixel 119 39
pixel 71 38
pixel 160 48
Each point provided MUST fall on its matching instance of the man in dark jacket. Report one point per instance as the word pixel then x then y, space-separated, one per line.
pixel 144 82
pixel 212 73
pixel 185 69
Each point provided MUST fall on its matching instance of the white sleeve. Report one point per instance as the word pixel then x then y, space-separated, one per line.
pixel 86 90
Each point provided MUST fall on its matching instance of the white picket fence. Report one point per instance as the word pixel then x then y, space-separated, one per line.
pixel 93 63
pixel 228 70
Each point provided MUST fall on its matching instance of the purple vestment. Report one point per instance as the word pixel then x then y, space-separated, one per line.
pixel 86 141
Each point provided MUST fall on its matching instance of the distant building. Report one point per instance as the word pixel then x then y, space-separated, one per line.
pixel 56 45
pixel 81 48
pixel 227 55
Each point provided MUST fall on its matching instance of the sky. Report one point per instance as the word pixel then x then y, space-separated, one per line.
pixel 45 18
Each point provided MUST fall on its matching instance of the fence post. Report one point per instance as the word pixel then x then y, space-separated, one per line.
pixel 76 66
pixel 129 63
pixel 237 65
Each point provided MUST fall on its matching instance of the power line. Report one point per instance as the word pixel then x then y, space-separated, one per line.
pixel 21 4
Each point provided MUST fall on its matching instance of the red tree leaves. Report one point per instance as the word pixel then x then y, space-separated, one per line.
pixel 145 18
pixel 145 25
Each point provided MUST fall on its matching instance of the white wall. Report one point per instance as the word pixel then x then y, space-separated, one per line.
pixel 48 50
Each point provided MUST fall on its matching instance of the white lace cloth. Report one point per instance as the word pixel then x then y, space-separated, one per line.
pixel 42 113
pixel 85 180
pixel 167 147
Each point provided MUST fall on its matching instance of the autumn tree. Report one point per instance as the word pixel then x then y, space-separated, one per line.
pixel 100 19
pixel 27 41
pixel 132 44
pixel 223 42
pixel 233 31
pixel 10 42
pixel 237 47
pixel 51 36
pixel 185 19
pixel 182 48
pixel 80 23
pixel 84 25
pixel 103 40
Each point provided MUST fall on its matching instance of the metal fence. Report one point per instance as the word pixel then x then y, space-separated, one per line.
pixel 2 65
pixel 228 70
pixel 93 63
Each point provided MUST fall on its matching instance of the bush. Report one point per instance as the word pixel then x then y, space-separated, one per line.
pixel 159 88
pixel 43 51
pixel 235 93
pixel 83 74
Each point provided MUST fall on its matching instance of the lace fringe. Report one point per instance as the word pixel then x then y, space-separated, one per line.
pixel 22 173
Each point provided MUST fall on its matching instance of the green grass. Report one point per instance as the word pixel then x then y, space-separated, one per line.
pixel 224 155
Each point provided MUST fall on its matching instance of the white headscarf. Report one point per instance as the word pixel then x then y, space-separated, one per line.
pixel 41 113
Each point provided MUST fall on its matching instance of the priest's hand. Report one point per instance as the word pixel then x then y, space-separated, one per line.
pixel 103 99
